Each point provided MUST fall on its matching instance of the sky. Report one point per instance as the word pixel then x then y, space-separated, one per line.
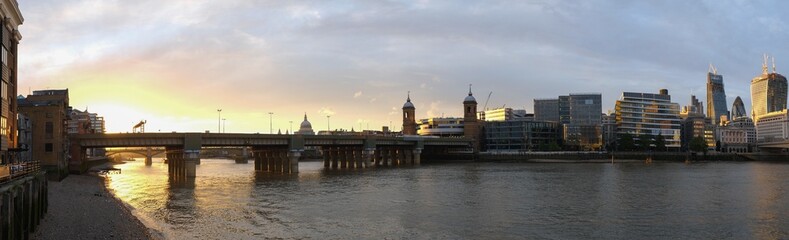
pixel 175 62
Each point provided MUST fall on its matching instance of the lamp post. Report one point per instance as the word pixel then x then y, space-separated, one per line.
pixel 224 130
pixel 219 121
pixel 270 124
pixel 328 124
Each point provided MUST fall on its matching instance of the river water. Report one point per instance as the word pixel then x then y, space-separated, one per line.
pixel 717 200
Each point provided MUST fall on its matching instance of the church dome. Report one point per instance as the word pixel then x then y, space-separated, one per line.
pixel 408 103
pixel 306 127
pixel 470 98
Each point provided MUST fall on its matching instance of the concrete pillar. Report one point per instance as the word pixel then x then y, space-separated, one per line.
pixel 417 156
pixel 357 158
pixel 294 156
pixel 283 156
pixel 408 156
pixel 276 166
pixel 267 162
pixel 335 160
pixel 395 156
pixel 191 160
pixel 258 161
pixel 326 157
pixel 148 157
pixel 369 157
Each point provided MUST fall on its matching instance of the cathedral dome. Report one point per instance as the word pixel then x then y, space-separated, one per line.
pixel 306 127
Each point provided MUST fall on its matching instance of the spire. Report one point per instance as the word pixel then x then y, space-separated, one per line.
pixel 469 89
pixel 305 116
pixel 409 97
pixel 764 64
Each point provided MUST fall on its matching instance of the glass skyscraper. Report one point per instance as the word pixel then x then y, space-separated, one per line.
pixel 738 109
pixel 768 93
pixel 649 114
pixel 716 97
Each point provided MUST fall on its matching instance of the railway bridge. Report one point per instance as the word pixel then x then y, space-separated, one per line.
pixel 280 153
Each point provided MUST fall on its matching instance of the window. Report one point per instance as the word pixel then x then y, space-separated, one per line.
pixel 48 147
pixel 5 56
pixel 3 126
pixel 49 129
pixel 4 89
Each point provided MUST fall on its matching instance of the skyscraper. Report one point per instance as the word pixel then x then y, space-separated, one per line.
pixel 738 109
pixel 716 96
pixel 768 92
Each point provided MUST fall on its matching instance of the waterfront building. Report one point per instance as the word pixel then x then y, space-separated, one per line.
pixel 306 127
pixel 79 122
pixel 609 129
pixel 695 124
pixel 24 137
pixel 409 119
pixel 11 18
pixel 546 110
pixel 498 114
pixel 48 112
pixel 716 96
pixel 768 92
pixel 441 127
pixel 97 123
pixel 773 127
pixel 738 135
pixel 640 114
pixel 471 126
pixel 738 109
pixel 521 135
pixel 579 115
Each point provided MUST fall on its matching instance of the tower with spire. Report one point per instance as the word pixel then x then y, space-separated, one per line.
pixel 409 120
pixel 471 128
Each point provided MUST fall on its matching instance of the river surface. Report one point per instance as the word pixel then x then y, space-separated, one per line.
pixel 717 200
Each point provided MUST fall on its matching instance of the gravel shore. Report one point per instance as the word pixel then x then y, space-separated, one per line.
pixel 80 207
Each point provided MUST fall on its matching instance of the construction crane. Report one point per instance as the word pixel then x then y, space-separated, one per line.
pixel 486 101
pixel 140 127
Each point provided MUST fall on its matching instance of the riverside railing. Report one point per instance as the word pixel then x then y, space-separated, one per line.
pixel 13 171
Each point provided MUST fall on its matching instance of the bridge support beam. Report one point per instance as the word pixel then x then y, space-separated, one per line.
pixel 293 157
pixel 368 157
pixel 417 156
pixel 148 157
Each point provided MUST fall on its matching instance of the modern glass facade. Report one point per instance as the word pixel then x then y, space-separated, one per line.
pixel 521 135
pixel 546 110
pixel 738 109
pixel 716 98
pixel 647 113
pixel 768 94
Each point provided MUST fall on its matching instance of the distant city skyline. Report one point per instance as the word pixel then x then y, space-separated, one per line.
pixel 174 63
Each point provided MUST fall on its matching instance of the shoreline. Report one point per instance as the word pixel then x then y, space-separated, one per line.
pixel 83 207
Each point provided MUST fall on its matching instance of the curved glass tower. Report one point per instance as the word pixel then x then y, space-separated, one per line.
pixel 716 97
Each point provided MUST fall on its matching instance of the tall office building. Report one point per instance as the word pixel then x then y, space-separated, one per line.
pixel 546 110
pixel 738 109
pixel 640 114
pixel 768 92
pixel 716 96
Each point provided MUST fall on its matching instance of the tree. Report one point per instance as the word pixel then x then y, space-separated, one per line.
pixel 660 143
pixel 697 144
pixel 625 142
pixel 645 142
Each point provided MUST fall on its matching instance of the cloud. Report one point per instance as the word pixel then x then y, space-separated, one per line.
pixel 325 111
pixel 357 94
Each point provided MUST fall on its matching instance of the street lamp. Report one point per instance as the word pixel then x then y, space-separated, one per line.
pixel 219 121
pixel 328 124
pixel 224 130
pixel 270 124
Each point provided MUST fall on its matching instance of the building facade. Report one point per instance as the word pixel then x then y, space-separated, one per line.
pixel 768 93
pixel 409 120
pixel 441 127
pixel 738 109
pixel 640 114
pixel 11 18
pixel 521 135
pixel 498 114
pixel 546 110
pixel 471 125
pixel 48 113
pixel 773 127
pixel 738 135
pixel 716 97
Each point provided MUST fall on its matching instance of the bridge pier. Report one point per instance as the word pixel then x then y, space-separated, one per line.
pixel 417 156
pixel 327 155
pixel 294 156
pixel 368 156
pixel 148 157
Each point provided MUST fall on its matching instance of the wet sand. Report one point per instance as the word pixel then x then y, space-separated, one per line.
pixel 80 207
